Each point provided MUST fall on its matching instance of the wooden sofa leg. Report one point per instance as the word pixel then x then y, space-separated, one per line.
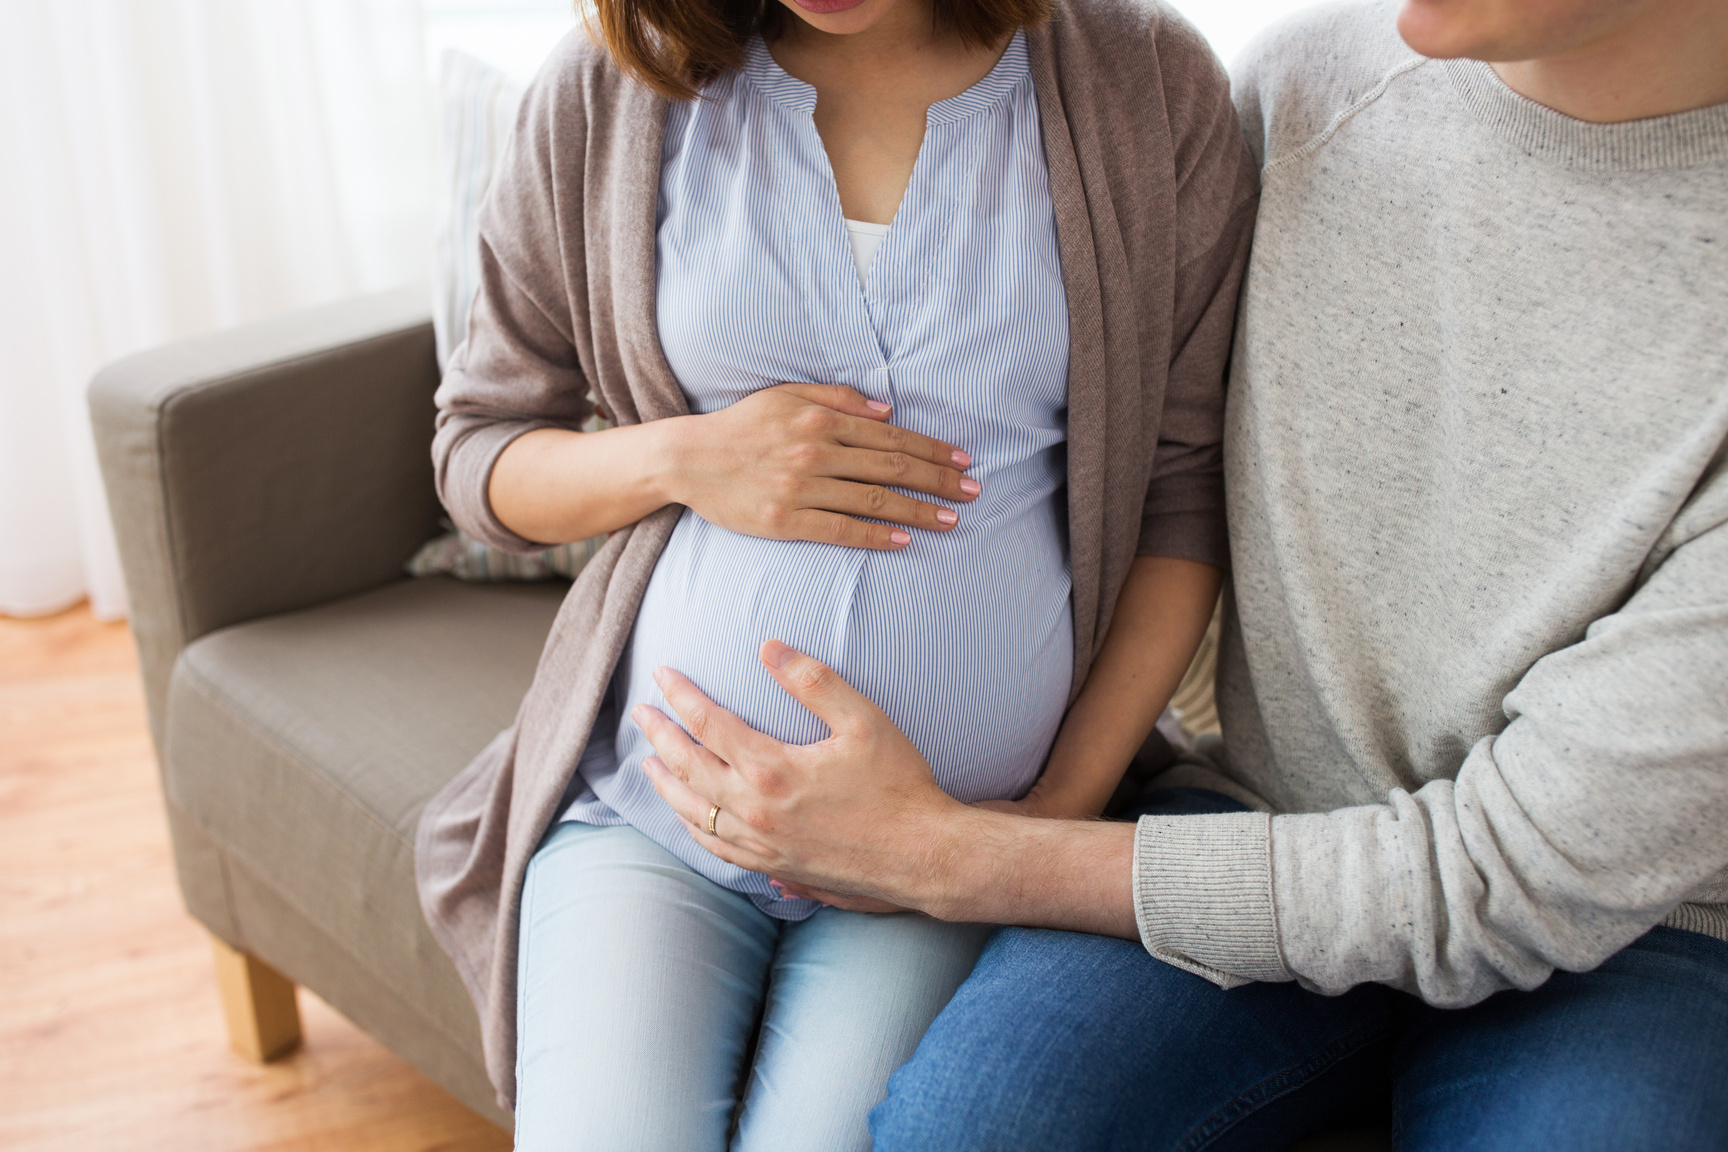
pixel 263 1015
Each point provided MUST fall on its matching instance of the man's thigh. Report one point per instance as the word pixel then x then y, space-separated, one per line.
pixel 1067 1041
pixel 1632 1055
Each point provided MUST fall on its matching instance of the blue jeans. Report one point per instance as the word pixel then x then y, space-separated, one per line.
pixel 1064 1041
pixel 660 1012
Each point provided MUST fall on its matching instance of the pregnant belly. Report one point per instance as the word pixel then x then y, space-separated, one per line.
pixel 965 641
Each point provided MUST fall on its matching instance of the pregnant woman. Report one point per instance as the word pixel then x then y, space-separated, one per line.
pixel 912 320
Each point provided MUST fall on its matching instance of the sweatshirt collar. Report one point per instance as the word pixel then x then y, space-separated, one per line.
pixel 1684 140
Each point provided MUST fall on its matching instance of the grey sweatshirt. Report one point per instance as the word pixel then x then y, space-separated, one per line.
pixel 1475 666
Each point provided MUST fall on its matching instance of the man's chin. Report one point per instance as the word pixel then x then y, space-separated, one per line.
pixel 1455 29
pixel 1500 31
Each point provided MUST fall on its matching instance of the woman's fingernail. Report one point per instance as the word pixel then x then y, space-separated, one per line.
pixel 947 516
pixel 900 537
pixel 878 406
pixel 961 460
pixel 970 486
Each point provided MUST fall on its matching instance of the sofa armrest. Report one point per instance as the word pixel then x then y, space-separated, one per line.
pixel 267 468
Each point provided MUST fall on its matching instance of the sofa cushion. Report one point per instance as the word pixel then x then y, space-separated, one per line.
pixel 306 744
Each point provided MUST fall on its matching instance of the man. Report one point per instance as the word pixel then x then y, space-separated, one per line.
pixel 1466 845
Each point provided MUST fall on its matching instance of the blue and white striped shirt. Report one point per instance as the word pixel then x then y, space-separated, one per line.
pixel 964 638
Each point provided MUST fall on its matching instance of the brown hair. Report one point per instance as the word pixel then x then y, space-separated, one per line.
pixel 677 46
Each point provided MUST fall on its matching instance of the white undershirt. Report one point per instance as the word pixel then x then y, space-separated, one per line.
pixel 866 238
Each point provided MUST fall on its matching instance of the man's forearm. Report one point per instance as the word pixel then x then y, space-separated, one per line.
pixel 996 868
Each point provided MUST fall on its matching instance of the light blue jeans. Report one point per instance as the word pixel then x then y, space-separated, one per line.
pixel 660 1012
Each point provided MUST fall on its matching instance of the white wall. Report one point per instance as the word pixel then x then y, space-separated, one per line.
pixel 514 35
pixel 1230 24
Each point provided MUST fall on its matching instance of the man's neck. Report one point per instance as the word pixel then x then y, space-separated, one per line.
pixel 1672 58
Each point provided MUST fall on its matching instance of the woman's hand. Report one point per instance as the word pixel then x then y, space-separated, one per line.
pixel 834 899
pixel 805 461
pixel 792 462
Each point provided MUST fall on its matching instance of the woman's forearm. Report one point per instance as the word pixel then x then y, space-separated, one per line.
pixel 553 485
pixel 1161 616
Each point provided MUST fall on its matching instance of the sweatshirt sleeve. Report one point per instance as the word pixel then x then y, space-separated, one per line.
pixel 519 369
pixel 1217 187
pixel 1598 809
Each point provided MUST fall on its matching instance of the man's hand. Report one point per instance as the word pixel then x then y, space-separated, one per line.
pixel 857 820
pixel 855 815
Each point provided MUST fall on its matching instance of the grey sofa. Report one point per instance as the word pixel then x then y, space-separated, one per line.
pixel 267 485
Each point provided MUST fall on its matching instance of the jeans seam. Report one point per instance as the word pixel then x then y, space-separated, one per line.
pixel 1279 1084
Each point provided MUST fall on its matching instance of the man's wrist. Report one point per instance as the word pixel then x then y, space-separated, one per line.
pixel 995 868
pixel 954 874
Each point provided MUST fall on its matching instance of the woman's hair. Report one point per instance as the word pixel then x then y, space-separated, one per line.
pixel 677 46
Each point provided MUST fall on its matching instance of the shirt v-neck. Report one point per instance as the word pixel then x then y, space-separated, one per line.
pixel 865 293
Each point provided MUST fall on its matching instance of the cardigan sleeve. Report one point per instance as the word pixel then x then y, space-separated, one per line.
pixel 519 369
pixel 1217 193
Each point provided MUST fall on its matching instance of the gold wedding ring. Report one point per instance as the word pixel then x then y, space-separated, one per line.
pixel 713 815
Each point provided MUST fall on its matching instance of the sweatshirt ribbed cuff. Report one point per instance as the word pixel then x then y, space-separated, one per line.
pixel 1708 919
pixel 1203 895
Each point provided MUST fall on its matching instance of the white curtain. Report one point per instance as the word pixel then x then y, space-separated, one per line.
pixel 168 167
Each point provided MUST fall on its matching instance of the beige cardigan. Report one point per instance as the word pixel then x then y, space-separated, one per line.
pixel 1154 196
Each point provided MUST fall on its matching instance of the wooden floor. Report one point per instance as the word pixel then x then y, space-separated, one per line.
pixel 110 1032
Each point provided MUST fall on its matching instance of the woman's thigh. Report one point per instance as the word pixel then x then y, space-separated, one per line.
pixel 849 998
pixel 1064 1041
pixel 1632 1055
pixel 639 984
